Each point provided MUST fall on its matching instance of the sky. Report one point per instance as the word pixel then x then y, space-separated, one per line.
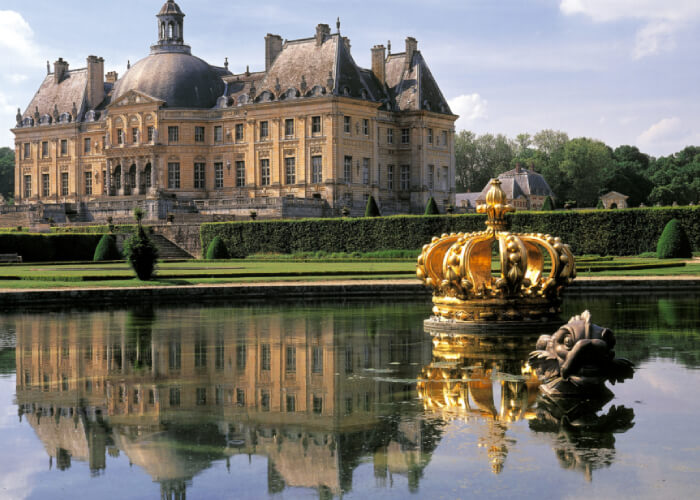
pixel 621 71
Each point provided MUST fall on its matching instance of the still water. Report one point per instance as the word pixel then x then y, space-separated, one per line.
pixel 330 400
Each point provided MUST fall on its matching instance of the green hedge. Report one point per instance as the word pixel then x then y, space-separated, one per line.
pixel 50 247
pixel 608 232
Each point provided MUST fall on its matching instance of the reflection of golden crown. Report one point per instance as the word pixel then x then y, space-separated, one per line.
pixel 526 282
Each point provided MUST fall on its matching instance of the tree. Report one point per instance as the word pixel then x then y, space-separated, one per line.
pixel 7 172
pixel 479 159
pixel 548 203
pixel 140 251
pixel 371 209
pixel 585 162
pixel 431 208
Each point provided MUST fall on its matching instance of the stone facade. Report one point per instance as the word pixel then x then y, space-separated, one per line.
pixel 311 126
pixel 613 199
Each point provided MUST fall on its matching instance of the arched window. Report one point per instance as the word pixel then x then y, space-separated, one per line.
pixel 171 30
pixel 162 30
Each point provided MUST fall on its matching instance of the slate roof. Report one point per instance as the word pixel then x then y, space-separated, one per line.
pixel 170 7
pixel 613 195
pixel 71 89
pixel 413 87
pixel 521 182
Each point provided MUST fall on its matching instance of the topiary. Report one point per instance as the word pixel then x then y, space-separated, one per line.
pixel 372 210
pixel 548 203
pixel 217 249
pixel 107 249
pixel 140 250
pixel 673 242
pixel 431 208
pixel 600 205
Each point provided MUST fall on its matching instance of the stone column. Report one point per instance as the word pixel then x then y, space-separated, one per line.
pixel 139 164
pixel 154 174
pixel 108 179
pixel 124 169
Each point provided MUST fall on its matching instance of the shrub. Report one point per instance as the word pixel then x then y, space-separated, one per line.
pixel 217 249
pixel 431 208
pixel 603 232
pixel 548 204
pixel 107 249
pixel 371 209
pixel 673 242
pixel 600 205
pixel 141 253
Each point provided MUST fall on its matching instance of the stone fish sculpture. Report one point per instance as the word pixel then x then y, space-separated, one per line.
pixel 577 360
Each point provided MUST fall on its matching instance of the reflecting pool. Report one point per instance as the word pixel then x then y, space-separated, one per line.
pixel 321 400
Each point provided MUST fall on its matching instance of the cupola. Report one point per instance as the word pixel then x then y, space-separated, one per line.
pixel 170 30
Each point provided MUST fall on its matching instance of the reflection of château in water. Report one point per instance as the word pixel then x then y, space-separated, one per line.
pixel 178 394
pixel 483 380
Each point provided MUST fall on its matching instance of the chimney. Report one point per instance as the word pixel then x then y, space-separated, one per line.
pixel 60 68
pixel 517 168
pixel 411 48
pixel 96 82
pixel 322 31
pixel 112 77
pixel 379 63
pixel 346 41
pixel 273 47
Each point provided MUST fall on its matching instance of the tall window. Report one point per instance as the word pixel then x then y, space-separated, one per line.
pixel 390 177
pixel 64 147
pixel 265 172
pixel 240 397
pixel 291 359
pixel 315 125
pixel 219 353
pixel 430 136
pixel 239 132
pixel 64 183
pixel 173 134
pixel 27 186
pixel 44 184
pixel 134 135
pixel 88 183
pixel 28 150
pixel 173 176
pixel 218 134
pixel 218 175
pixel 317 404
pixel 346 124
pixel 265 400
pixel 317 360
pixel 241 357
pixel 117 177
pixel 444 182
pixel 431 176
pixel 405 177
pixel 150 132
pixel 347 169
pixel 174 396
pixel 240 174
pixel 120 136
pixel 199 134
pixel 265 357
pixel 87 145
pixel 291 403
pixel 289 127
pixel 444 137
pixel 264 131
pixel 201 396
pixel 45 149
pixel 290 171
pixel 390 136
pixel 316 169
pixel 365 171
pixel 405 136
pixel 199 180
pixel 365 126
pixel 200 353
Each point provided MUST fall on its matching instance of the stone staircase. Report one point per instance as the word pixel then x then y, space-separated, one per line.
pixel 167 250
pixel 14 219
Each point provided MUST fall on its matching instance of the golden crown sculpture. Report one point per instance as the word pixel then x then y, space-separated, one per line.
pixel 525 285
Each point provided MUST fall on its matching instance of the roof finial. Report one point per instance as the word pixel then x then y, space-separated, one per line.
pixel 128 64
pixel 389 46
pixel 226 62
pixel 247 70
pixel 337 24
pixel 48 67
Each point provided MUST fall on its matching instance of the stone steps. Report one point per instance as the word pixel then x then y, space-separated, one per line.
pixel 167 250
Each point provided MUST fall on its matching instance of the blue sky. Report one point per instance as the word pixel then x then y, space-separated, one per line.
pixel 622 71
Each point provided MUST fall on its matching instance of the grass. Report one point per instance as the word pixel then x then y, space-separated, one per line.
pixel 267 269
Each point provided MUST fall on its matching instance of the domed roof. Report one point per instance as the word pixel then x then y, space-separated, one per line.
pixel 170 7
pixel 179 79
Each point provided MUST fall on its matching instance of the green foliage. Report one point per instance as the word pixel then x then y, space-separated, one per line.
pixel 49 247
pixel 141 253
pixel 481 158
pixel 371 209
pixel 7 172
pixel 217 249
pixel 107 249
pixel 600 205
pixel 431 208
pixel 673 242
pixel 548 204
pixel 602 232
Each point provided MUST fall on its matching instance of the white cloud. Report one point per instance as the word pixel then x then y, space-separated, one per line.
pixel 667 136
pixel 470 108
pixel 17 40
pixel 663 130
pixel 662 19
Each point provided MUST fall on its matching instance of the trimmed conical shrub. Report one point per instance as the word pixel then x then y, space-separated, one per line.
pixel 548 203
pixel 600 205
pixel 673 242
pixel 431 208
pixel 107 249
pixel 372 210
pixel 217 249
pixel 141 253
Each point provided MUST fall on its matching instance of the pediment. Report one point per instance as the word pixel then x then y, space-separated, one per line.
pixel 133 98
